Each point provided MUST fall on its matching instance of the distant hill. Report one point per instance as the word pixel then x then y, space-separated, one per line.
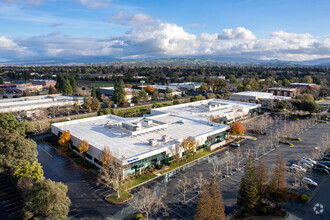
pixel 174 61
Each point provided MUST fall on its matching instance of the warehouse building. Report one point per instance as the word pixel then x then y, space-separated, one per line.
pixel 141 142
pixel 37 102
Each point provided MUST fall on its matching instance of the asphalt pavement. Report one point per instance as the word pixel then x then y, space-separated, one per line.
pixel 87 198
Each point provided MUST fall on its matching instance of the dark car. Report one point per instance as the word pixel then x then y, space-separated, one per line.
pixel 327 163
pixel 321 170
pixel 326 158
pixel 322 166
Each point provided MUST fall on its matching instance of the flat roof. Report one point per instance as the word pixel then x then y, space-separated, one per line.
pixel 282 88
pixel 96 132
pixel 252 93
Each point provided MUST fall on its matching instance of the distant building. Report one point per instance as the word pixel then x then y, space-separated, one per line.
pixel 218 77
pixel 280 91
pixel 29 87
pixel 264 98
pixel 310 86
pixel 110 91
pixel 31 103
pixel 324 103
pixel 45 83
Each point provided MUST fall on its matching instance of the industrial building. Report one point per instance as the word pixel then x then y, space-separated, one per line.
pixel 110 91
pixel 141 142
pixel 37 102
pixel 281 91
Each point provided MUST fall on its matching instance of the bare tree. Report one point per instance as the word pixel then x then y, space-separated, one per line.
pixel 238 158
pixel 147 202
pixel 184 186
pixel 200 181
pixel 217 167
pixel 256 151
pixel 298 183
pixel 175 151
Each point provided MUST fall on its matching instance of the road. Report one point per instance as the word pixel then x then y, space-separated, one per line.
pixel 87 198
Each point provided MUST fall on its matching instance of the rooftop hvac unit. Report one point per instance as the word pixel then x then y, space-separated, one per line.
pixel 146 122
pixel 165 138
pixel 152 142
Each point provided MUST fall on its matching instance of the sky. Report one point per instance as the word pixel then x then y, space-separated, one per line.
pixel 288 30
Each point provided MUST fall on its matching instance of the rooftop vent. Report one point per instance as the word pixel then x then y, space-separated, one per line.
pixel 152 142
pixel 180 122
pixel 165 138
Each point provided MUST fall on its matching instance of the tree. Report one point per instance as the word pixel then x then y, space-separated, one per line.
pixel 204 205
pixel 98 95
pixel 64 139
pixel 83 147
pixel 106 157
pixel 189 145
pixel 96 104
pixel 147 202
pixel 119 93
pixel 308 79
pixel 9 122
pixel 47 200
pixel 240 87
pixel 232 79
pixel 262 177
pixel 93 92
pixel 73 83
pixel 29 170
pixel 210 203
pixel 67 89
pixel 129 86
pixel 149 89
pixel 60 81
pixel 204 87
pixel 76 105
pixel 143 95
pixel 15 149
pixel 184 186
pixel 200 181
pixel 218 209
pixel 277 189
pixel 155 95
pixel 51 90
pixel 88 103
pixel 248 192
pixel 238 128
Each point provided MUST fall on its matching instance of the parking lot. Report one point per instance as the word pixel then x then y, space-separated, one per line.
pixel 87 197
pixel 11 202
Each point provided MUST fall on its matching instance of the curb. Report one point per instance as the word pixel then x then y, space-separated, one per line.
pixel 117 203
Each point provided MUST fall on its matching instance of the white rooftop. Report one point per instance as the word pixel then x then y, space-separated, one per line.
pixel 253 93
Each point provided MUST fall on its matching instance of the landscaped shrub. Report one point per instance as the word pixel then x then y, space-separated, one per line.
pixel 304 197
pixel 257 131
pixel 293 138
pixel 286 142
pixel 139 217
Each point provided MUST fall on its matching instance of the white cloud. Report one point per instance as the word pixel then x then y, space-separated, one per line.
pixel 124 19
pixel 95 4
pixel 238 33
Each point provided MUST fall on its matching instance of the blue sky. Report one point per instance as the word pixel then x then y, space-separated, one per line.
pixel 262 29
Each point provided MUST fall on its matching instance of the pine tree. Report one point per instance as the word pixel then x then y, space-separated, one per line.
pixel 98 95
pixel 60 81
pixel 204 205
pixel 262 176
pixel 218 209
pixel 248 192
pixel 119 94
pixel 277 190
pixel 51 90
pixel 93 92
pixel 73 83
pixel 67 87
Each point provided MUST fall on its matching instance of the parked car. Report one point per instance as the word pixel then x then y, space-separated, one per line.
pixel 309 160
pixel 321 170
pixel 305 164
pixel 322 166
pixel 326 158
pixel 296 167
pixel 309 181
pixel 235 144
pixel 324 162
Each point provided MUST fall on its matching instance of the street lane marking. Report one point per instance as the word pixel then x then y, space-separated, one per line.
pixel 46 152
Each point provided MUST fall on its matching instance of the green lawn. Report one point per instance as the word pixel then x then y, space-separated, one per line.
pixel 102 84
pixel 139 180
pixel 177 164
pixel 123 196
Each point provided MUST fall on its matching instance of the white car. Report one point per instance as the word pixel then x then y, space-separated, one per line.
pixel 305 164
pixel 235 145
pixel 309 181
pixel 297 168
pixel 310 160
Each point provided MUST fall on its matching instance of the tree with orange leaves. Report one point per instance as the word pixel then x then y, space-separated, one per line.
pixel 129 86
pixel 64 139
pixel 149 89
pixel 83 147
pixel 106 157
pixel 238 128
pixel 189 145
